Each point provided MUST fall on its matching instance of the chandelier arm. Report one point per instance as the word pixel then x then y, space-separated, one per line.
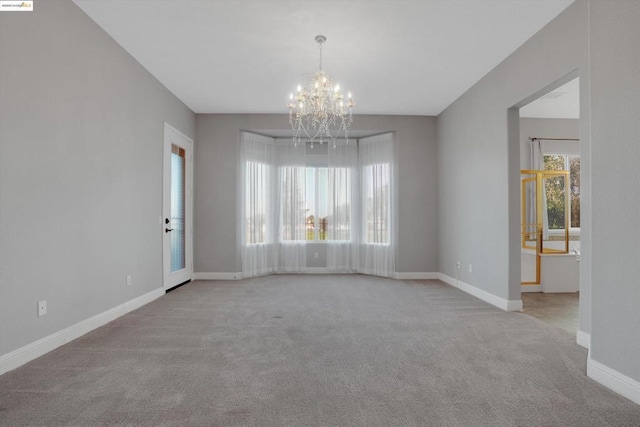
pixel 319 107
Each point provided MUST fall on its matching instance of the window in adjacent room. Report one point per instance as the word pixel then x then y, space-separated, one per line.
pixel 555 190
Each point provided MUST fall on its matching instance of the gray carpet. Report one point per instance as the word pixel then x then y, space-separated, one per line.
pixel 315 351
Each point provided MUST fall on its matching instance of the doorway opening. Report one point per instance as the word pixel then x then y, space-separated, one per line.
pixel 550 206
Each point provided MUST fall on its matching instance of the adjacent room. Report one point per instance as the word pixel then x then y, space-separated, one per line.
pixel 550 168
pixel 269 212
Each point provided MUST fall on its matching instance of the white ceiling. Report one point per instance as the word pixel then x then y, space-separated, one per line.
pixel 562 103
pixel 409 57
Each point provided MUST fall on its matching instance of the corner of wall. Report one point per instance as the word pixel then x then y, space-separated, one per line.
pixel 44 345
pixel 502 303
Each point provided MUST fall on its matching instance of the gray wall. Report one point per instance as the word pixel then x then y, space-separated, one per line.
pixel 479 156
pixel 476 139
pixel 615 130
pixel 216 247
pixel 81 134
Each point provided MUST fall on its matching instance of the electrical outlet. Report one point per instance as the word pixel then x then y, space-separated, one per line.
pixel 470 268
pixel 458 264
pixel 128 280
pixel 315 255
pixel 42 308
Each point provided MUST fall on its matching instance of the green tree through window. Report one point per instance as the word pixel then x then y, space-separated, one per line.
pixel 554 190
pixel 317 184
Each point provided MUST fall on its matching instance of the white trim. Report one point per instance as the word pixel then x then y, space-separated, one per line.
pixel 36 349
pixel 530 288
pixel 309 270
pixel 504 304
pixel 173 136
pixel 614 380
pixel 238 276
pixel 416 276
pixel 317 270
pixel 217 276
pixel 513 305
pixel 583 339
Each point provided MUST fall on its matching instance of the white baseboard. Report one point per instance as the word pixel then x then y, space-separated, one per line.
pixel 239 276
pixel 36 349
pixel 217 276
pixel 530 288
pixel 583 339
pixel 614 380
pixel 400 275
pixel 504 304
pixel 318 270
pixel 314 270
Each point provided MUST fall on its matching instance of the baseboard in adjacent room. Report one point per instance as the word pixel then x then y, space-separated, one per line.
pixel 217 276
pixel 38 348
pixel 504 304
pixel 583 339
pixel 614 380
pixel 530 288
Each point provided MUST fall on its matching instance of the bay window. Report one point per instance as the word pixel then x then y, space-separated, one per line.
pixel 342 198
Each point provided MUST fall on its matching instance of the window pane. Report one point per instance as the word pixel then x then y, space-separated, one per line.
pixel 310 214
pixel 554 189
pixel 177 208
pixel 323 210
pixel 256 196
pixel 292 202
pixel 377 203
pixel 574 183
pixel 555 203
pixel 554 163
pixel 339 201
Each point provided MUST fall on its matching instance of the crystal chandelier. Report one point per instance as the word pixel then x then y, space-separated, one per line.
pixel 318 111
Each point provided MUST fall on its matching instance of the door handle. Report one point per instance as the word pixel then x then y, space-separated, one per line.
pixel 166 230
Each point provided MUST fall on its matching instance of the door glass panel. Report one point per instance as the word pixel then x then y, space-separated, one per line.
pixel 177 208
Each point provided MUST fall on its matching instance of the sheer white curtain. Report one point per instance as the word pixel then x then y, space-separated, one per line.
pixel 291 255
pixel 537 162
pixel 256 225
pixel 272 184
pixel 360 206
pixel 377 200
pixel 343 233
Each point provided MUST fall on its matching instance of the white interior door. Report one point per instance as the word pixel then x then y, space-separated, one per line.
pixel 177 229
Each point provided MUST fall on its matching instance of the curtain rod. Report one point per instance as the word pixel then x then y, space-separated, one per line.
pixel 537 138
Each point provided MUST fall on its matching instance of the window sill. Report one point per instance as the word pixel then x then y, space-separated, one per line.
pixel 560 232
